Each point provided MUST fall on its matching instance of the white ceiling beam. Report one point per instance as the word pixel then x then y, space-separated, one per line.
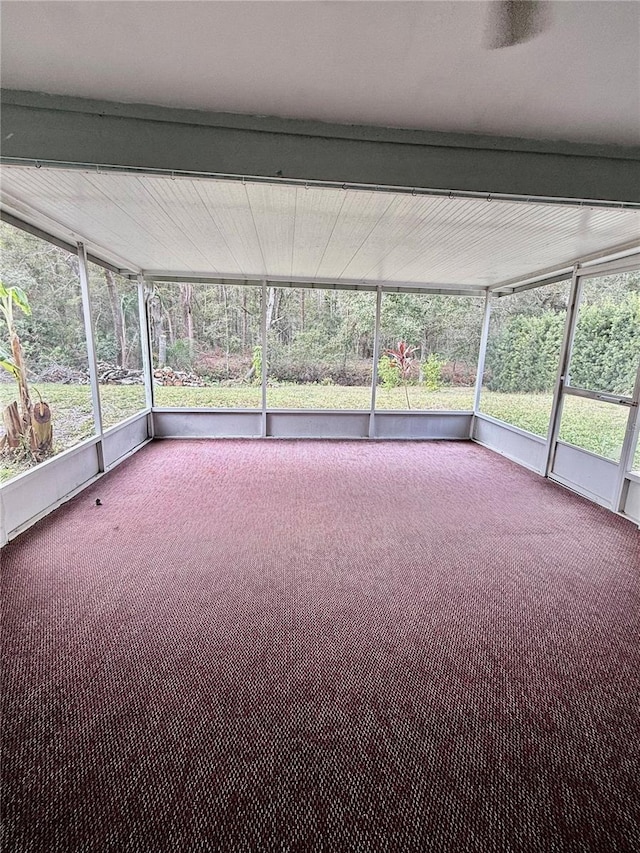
pixel 310 282
pixel 557 273
pixel 24 216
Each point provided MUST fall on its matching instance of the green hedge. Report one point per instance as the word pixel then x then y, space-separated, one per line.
pixel 607 346
pixel 523 356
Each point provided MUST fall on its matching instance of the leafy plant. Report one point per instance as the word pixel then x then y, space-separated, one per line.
pixel 180 355
pixel 256 364
pixel 17 418
pixel 388 373
pixel 12 361
pixel 432 372
pixel 10 296
pixel 402 359
pixel 8 363
pixel 523 356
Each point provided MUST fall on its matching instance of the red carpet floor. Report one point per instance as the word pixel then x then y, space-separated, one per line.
pixel 308 646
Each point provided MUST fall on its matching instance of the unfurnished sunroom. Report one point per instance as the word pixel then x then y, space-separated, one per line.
pixel 211 307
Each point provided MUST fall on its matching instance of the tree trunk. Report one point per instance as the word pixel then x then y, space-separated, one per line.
pixel 244 319
pixel 118 318
pixel 41 430
pixel 13 426
pixel 162 347
pixel 186 299
pixel 272 307
pixel 159 333
pixel 25 399
pixel 226 328
pixel 170 335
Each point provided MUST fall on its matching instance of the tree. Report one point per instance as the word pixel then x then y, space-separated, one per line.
pixel 117 314
pixel 25 426
pixel 14 363
pixel 402 358
pixel 54 332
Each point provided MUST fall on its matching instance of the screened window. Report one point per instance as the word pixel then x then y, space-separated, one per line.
pixel 594 426
pixel 606 343
pixel 116 327
pixel 429 351
pixel 635 462
pixel 319 348
pixel 523 352
pixel 205 341
pixel 49 409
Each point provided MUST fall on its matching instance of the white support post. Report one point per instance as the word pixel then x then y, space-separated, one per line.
pixel 563 367
pixel 263 338
pixel 482 354
pixel 145 343
pixel 374 372
pixel 147 355
pixel 83 271
pixel 628 448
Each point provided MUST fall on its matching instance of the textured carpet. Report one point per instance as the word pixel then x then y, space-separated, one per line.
pixel 322 646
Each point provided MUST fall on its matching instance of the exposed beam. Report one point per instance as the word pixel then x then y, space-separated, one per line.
pixel 628 254
pixel 33 222
pixel 533 285
pixel 563 366
pixel 482 354
pixel 52 128
pixel 56 241
pixel 374 368
pixel 89 331
pixel 320 283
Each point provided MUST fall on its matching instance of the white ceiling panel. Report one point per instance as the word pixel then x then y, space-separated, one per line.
pixel 231 228
pixel 359 215
pixel 317 211
pixel 228 206
pixel 274 212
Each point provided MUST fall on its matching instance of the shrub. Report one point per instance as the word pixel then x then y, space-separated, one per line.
pixel 217 366
pixel 256 364
pixel 354 372
pixel 180 355
pixel 524 356
pixel 388 372
pixel 607 346
pixel 432 372
pixel 458 373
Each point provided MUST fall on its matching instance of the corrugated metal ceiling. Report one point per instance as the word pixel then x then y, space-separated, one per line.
pixel 208 227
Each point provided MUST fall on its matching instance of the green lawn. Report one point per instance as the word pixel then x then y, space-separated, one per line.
pixel 598 427
pixel 313 397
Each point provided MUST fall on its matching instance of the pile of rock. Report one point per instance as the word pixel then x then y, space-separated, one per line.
pixel 168 376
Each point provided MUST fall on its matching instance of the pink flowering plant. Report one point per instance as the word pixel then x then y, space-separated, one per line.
pixel 402 360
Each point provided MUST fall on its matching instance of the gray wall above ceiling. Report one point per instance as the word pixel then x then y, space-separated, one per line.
pixel 78 131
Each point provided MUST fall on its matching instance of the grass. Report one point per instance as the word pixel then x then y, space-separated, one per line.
pixel 594 426
pixel 313 397
pixel 72 411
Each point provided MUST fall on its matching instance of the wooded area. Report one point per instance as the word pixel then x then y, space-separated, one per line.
pixel 206 342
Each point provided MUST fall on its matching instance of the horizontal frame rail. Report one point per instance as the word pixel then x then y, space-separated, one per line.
pixel 603 396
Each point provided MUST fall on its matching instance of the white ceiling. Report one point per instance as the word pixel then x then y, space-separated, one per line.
pixel 231 228
pixel 403 64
